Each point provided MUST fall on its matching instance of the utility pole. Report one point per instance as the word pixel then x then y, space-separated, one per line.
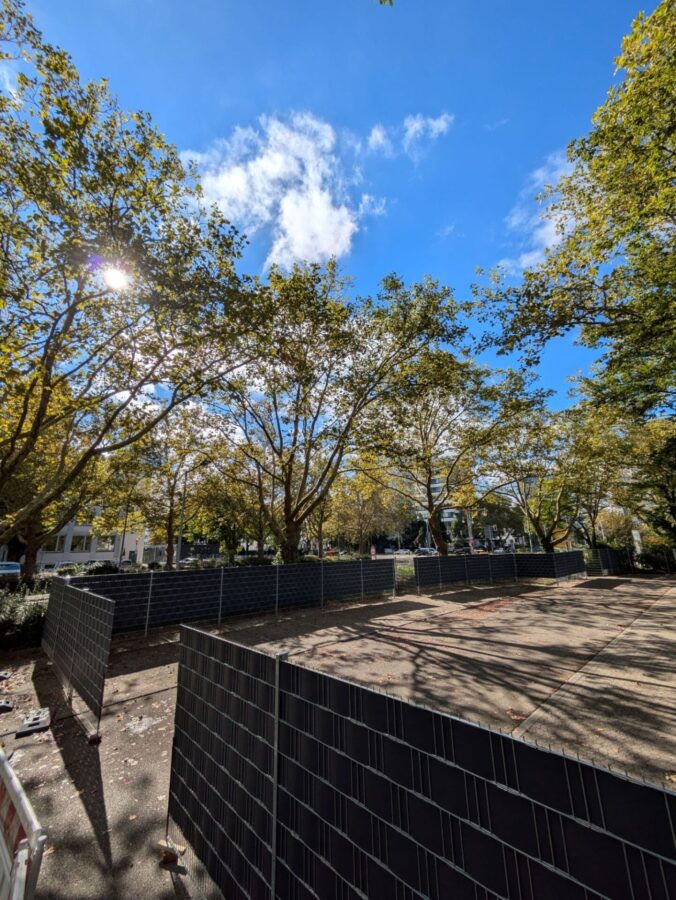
pixel 180 527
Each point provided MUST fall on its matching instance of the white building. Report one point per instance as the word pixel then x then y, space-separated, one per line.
pixel 76 544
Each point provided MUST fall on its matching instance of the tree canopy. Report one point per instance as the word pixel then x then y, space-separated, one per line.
pixel 611 274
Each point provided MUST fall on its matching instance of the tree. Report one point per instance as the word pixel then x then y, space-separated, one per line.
pixel 120 299
pixel 362 509
pixel 600 451
pixel 436 431
pixel 536 467
pixel 613 270
pixel 227 510
pixel 648 485
pixel 327 360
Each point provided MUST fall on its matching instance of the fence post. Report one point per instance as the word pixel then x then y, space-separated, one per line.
pixel 439 567
pixel 321 600
pixel 516 570
pixel 150 593
pixel 394 577
pixel 220 598
pixel 279 658
pixel 361 572
pixel 417 575
pixel 490 569
pixel 666 559
pixel 466 569
pixel 277 589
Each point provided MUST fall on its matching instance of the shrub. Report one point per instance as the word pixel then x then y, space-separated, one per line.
pixel 20 620
pixel 103 567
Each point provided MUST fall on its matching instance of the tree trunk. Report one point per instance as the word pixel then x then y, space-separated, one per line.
pixel 547 544
pixel 437 531
pixel 30 559
pixel 289 545
pixel 15 549
pixel 320 539
pixel 260 535
pixel 170 537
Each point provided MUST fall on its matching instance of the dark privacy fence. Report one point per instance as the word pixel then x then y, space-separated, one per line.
pixel 76 637
pixel 151 599
pixel 290 783
pixel 440 570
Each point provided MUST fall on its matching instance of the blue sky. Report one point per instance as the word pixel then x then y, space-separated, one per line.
pixel 406 139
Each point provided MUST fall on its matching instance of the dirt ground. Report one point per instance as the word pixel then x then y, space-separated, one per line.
pixel 586 666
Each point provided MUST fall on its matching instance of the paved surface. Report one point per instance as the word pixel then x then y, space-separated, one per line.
pixel 587 666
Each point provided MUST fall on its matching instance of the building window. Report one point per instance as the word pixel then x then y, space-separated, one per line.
pixel 81 543
pixel 55 544
pixel 105 544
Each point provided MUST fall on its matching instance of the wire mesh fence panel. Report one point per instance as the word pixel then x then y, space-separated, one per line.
pixel 569 563
pixel 377 577
pixel 535 565
pixel 299 585
pixel 478 567
pixel 221 788
pixel 249 590
pixel 77 640
pixel 50 629
pixel 427 571
pixel 378 797
pixel 503 566
pixel 343 580
pixel 190 596
pixel 453 569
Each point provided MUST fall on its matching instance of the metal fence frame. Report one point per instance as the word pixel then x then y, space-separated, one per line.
pixel 287 781
pixel 76 637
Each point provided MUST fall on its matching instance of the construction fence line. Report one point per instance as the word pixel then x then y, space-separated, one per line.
pixel 85 611
pixel 289 782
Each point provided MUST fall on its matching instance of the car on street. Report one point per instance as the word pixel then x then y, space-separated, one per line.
pixel 10 572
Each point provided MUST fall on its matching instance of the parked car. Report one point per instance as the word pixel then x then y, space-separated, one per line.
pixel 426 551
pixel 403 552
pixel 10 572
pixel 125 564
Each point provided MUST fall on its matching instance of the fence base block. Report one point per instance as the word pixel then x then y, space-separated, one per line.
pixel 36 720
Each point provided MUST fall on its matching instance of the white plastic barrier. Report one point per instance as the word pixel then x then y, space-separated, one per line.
pixel 22 840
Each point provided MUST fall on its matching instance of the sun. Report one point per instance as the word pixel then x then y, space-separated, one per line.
pixel 116 279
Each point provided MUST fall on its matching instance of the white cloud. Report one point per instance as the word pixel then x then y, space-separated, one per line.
pixel 494 126
pixel 7 77
pixel 379 141
pixel 419 129
pixel 411 137
pixel 297 179
pixel 286 175
pixel 374 206
pixel 538 232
